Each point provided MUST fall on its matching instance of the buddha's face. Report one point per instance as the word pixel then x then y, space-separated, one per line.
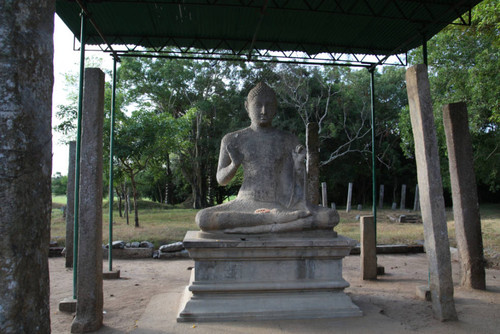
pixel 261 109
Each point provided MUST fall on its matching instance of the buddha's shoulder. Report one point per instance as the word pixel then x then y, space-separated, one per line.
pixel 236 135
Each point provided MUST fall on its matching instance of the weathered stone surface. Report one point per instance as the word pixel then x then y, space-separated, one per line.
pixel 70 205
pixel 402 205
pixel 118 244
pixel 324 195
pixel 89 285
pixel 182 254
pixel 464 193
pixel 410 219
pixel 173 247
pixel 381 197
pixel 416 202
pixel 431 192
pixel 249 277
pixel 146 244
pixel 423 292
pixel 114 274
pixel 349 198
pixel 368 248
pixel 26 79
pixel 272 197
pixel 67 305
pixel 129 253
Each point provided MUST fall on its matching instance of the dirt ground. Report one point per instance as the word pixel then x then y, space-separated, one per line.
pixel 145 300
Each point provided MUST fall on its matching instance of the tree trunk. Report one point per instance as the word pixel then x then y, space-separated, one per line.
pixel 127 204
pixel 312 147
pixel 119 201
pixel 134 193
pixel 26 80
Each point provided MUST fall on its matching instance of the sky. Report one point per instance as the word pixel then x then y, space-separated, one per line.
pixel 66 60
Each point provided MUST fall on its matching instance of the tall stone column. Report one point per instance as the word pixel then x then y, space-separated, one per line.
pixel 324 195
pixel 349 198
pixel 26 80
pixel 89 286
pixel 312 144
pixel 368 253
pixel 70 205
pixel 464 193
pixel 416 201
pixel 381 197
pixel 437 245
pixel 402 205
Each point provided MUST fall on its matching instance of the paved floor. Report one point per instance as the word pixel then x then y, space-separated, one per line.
pixel 389 304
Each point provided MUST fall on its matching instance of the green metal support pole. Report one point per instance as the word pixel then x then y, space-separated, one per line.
pixel 111 141
pixel 374 174
pixel 77 155
pixel 424 51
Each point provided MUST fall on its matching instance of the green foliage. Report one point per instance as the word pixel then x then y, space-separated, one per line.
pixel 59 184
pixel 464 65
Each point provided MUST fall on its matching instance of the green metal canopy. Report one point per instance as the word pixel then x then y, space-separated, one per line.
pixel 354 32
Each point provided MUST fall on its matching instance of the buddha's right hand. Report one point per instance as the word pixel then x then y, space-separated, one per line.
pixel 234 154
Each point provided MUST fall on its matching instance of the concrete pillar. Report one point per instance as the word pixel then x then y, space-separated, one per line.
pixel 403 197
pixel 89 305
pixel 381 197
pixel 464 193
pixel 416 202
pixel 324 195
pixel 26 79
pixel 437 245
pixel 349 198
pixel 70 205
pixel 312 160
pixel 368 250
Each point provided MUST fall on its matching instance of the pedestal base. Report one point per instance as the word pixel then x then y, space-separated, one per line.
pixel 282 276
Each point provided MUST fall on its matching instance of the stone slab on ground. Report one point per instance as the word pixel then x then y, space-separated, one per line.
pixel 251 277
pixel 130 253
pixel 393 249
pixel 424 293
pixel 114 274
pixel 68 305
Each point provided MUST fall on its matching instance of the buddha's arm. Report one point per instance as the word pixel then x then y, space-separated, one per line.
pixel 229 161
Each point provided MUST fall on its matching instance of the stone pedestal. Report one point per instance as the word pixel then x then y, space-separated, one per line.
pixel 252 277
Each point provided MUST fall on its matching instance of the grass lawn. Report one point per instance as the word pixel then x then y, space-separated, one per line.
pixel 164 224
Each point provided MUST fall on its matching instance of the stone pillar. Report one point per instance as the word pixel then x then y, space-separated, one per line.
pixel 381 197
pixel 312 145
pixel 437 245
pixel 70 205
pixel 416 202
pixel 324 195
pixel 349 198
pixel 26 80
pixel 464 193
pixel 403 197
pixel 89 287
pixel 368 254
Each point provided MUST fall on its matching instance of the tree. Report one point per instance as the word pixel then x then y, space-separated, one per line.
pixel 463 66
pixel 137 142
